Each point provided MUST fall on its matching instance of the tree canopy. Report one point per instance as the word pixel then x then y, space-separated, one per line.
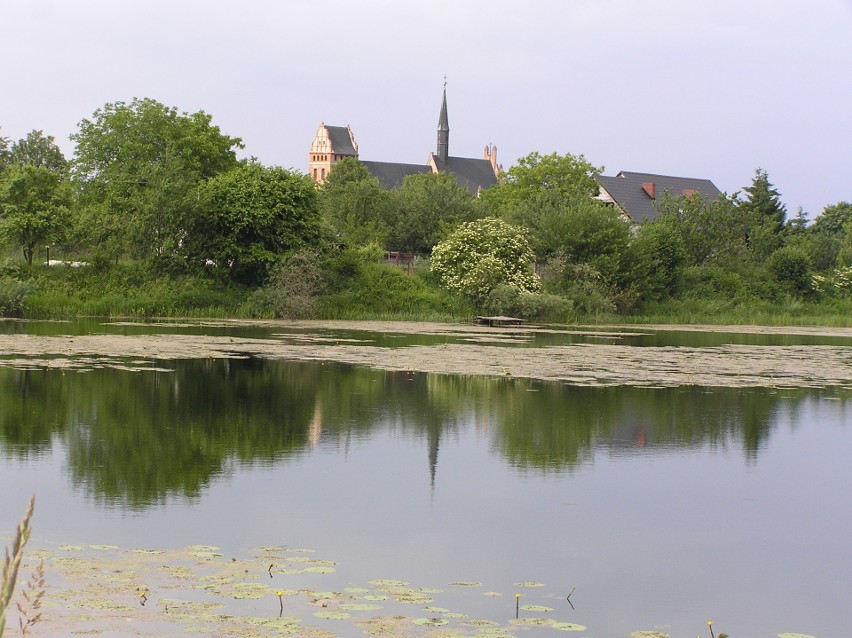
pixel 566 175
pixel 38 149
pixel 34 203
pixel 138 164
pixel 250 216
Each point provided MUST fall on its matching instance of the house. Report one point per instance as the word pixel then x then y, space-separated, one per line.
pixel 334 143
pixel 636 194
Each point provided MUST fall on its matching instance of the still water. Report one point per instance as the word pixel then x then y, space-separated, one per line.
pixel 659 508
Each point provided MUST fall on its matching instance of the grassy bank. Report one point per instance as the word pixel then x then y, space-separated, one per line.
pixel 371 292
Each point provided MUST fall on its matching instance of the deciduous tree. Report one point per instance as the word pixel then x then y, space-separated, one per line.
pixel 140 164
pixel 38 149
pixel 425 209
pixel 249 217
pixel 34 203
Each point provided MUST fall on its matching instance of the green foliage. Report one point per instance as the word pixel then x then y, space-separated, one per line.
pixel 764 203
pixel 656 258
pixel 791 267
pixel 38 150
pixel 376 290
pixel 34 203
pixel 354 204
pixel 138 166
pixel 569 176
pixel 294 285
pixel 834 220
pixel 248 217
pixel 13 296
pixel 508 300
pixel 426 207
pixel 483 254
pixel 711 232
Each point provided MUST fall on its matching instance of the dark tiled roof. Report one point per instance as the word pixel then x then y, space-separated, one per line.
pixel 627 191
pixel 391 174
pixel 341 140
pixel 471 174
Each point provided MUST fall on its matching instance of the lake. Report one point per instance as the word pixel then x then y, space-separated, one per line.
pixel 225 462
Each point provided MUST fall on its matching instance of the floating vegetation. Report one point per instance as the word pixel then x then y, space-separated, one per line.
pixel 465 584
pixel 792 635
pixel 536 608
pixel 431 622
pixel 529 583
pixel 648 634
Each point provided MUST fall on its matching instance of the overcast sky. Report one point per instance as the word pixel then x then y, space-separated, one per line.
pixel 710 89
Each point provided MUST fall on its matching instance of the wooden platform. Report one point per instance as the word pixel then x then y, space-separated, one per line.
pixel 499 321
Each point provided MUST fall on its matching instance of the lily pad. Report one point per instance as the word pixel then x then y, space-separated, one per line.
pixel 536 608
pixel 529 583
pixel 332 615
pixel 430 622
pixel 792 635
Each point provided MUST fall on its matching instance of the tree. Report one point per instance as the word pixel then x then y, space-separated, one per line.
pixel 712 232
pixel 426 207
pixel 766 215
pixel 569 176
pixel 483 254
pixel 34 205
pixel 38 149
pixel 656 258
pixel 354 204
pixel 834 220
pixel 139 165
pixel 249 217
pixel 4 152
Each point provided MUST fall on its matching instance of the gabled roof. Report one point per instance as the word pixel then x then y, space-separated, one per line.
pixel 341 140
pixel 472 174
pixel 636 193
pixel 391 174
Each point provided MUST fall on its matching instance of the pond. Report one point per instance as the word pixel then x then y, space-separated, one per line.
pixel 408 480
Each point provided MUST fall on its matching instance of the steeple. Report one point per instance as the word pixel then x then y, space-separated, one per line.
pixel 443 150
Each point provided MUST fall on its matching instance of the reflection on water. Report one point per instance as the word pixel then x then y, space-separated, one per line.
pixel 663 507
pixel 133 440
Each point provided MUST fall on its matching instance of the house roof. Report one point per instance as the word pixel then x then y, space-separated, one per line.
pixel 472 174
pixel 637 193
pixel 391 174
pixel 341 140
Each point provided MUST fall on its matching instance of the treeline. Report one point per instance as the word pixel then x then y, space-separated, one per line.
pixel 162 218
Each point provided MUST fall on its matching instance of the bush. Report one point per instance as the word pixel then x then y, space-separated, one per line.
pixel 13 297
pixel 294 284
pixel 791 267
pixel 508 300
pixel 481 255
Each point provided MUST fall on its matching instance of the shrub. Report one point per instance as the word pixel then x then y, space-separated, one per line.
pixel 483 254
pixel 13 297
pixel 791 267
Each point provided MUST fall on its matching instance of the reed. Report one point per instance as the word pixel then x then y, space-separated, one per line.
pixel 12 564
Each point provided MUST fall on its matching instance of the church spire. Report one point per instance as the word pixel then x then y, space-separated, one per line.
pixel 443 150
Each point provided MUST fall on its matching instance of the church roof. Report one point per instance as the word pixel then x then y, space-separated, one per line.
pixel 637 193
pixel 341 140
pixel 472 174
pixel 391 174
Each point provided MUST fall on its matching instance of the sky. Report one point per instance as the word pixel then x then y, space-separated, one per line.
pixel 710 89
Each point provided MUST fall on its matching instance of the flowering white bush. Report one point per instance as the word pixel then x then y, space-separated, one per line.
pixel 483 254
pixel 839 282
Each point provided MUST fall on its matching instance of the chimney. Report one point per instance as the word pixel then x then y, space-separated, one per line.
pixel 689 192
pixel 651 189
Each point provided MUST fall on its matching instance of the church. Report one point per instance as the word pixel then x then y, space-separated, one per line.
pixel 334 143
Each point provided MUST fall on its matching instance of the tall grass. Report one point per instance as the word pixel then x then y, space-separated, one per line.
pixel 12 564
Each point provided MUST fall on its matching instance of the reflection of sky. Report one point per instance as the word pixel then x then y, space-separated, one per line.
pixel 652 538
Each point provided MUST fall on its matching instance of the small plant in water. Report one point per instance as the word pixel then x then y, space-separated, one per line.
pixel 11 565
